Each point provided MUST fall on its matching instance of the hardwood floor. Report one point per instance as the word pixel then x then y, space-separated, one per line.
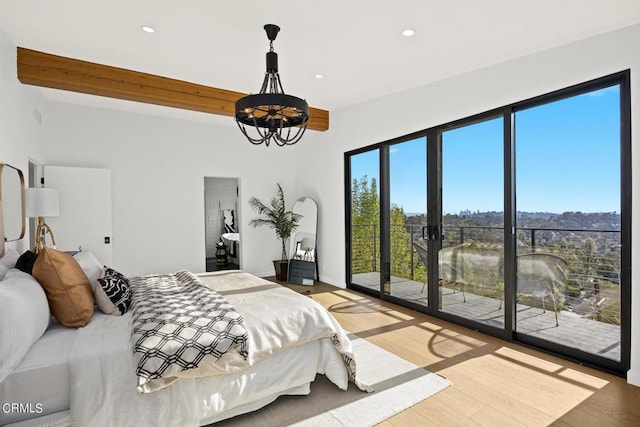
pixel 495 383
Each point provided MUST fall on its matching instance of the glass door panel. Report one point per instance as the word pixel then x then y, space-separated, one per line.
pixel 470 260
pixel 365 219
pixel 568 222
pixel 408 217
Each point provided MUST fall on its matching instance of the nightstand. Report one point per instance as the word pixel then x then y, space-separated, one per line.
pixel 302 272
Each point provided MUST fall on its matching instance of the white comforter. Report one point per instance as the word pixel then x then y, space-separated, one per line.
pixel 289 341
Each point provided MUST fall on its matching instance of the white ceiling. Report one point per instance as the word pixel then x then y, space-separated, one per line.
pixel 355 44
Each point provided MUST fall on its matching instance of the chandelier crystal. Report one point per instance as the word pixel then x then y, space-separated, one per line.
pixel 273 115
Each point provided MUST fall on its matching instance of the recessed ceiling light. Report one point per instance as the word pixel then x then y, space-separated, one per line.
pixel 148 29
pixel 408 32
pixel 318 76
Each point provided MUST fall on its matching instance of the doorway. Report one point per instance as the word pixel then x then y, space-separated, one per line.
pixel 222 231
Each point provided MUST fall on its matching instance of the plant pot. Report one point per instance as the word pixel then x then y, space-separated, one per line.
pixel 282 269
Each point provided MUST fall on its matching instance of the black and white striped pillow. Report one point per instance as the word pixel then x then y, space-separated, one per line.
pixel 113 296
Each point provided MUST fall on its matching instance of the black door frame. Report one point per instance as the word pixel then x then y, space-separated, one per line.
pixel 434 191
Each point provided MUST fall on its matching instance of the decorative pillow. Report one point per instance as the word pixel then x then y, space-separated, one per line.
pixel 8 261
pixel 113 294
pixel 67 287
pixel 24 317
pixel 90 265
pixel 26 261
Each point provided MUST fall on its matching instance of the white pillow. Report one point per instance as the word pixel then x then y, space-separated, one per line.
pixel 90 265
pixel 23 318
pixel 8 261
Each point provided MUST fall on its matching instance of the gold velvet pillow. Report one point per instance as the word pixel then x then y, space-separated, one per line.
pixel 67 287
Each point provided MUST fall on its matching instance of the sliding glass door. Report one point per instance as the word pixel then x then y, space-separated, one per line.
pixel 389 226
pixel 515 222
pixel 568 224
pixel 364 219
pixel 408 217
pixel 471 256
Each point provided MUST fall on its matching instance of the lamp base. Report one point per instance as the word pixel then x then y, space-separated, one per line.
pixel 41 234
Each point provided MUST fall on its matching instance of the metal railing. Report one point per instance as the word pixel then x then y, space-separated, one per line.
pixel 591 284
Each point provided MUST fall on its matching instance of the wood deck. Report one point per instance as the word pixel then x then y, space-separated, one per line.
pixel 602 339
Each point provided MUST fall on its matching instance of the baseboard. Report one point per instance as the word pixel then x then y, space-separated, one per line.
pixel 332 282
pixel 633 377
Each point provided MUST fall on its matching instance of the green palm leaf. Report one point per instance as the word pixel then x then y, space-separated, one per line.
pixel 276 216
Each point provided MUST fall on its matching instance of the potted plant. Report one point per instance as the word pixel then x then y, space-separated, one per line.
pixel 284 223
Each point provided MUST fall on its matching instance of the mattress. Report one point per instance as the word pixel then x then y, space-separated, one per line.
pixel 297 365
pixel 41 381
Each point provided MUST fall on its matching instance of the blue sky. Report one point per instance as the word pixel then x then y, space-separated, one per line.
pixel 567 159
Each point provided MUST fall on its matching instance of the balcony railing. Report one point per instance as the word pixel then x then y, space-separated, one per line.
pixel 590 283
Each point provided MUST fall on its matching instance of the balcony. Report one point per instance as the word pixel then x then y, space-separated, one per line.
pixel 586 289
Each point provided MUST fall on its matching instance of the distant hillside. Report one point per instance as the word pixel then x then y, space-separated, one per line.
pixel 565 220
pixel 571 220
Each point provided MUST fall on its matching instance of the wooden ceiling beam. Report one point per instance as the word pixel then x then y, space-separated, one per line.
pixel 58 72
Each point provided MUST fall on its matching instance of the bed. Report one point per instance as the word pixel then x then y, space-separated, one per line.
pixel 90 373
pixel 52 375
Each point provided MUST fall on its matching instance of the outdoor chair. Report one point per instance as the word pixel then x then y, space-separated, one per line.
pixel 539 276
pixel 447 272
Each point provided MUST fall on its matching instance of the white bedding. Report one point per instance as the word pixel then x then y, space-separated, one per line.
pixel 289 341
pixel 41 377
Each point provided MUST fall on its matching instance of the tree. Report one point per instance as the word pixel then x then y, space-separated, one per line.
pixel 400 244
pixel 365 224
pixel 365 234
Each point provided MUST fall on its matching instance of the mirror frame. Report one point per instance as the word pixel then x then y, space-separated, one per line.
pixel 293 241
pixel 5 168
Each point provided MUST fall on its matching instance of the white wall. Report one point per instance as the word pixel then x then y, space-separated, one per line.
pixel 158 167
pixel 20 131
pixel 456 98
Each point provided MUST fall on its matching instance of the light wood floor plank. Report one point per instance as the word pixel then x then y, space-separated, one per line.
pixel 495 383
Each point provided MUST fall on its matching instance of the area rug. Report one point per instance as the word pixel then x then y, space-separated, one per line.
pixel 397 386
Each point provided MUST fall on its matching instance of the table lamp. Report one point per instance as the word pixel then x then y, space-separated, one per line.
pixel 41 203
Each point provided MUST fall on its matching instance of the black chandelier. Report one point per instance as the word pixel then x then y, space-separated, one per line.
pixel 275 115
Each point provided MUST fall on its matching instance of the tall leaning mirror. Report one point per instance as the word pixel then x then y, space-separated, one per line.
pixel 303 265
pixel 12 202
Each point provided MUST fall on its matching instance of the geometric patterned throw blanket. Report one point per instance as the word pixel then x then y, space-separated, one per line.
pixel 180 324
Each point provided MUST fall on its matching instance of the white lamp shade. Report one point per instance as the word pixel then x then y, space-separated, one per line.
pixel 41 202
pixel 308 243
